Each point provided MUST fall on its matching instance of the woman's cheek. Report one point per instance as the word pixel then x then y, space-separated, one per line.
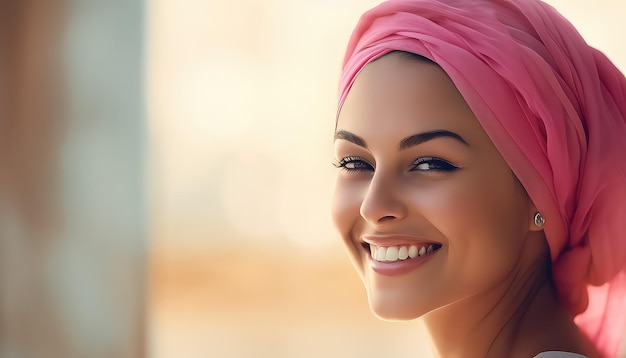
pixel 346 205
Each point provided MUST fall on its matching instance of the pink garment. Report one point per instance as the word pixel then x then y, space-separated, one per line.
pixel 556 110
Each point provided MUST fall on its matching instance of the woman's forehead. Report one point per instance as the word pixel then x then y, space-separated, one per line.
pixel 404 94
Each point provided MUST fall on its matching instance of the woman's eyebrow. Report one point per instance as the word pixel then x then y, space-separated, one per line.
pixel 407 142
pixel 420 138
pixel 350 137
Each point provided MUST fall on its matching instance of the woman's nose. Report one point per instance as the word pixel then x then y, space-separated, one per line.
pixel 383 201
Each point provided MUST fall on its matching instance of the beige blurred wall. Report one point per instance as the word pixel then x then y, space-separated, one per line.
pixel 241 102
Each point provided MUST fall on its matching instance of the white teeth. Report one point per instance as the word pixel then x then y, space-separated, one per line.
pixel 403 253
pixel 381 254
pixel 395 253
pixel 392 253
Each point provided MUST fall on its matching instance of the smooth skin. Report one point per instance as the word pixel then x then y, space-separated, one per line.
pixel 487 292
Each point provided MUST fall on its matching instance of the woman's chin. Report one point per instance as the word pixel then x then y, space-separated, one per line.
pixel 398 301
pixel 396 311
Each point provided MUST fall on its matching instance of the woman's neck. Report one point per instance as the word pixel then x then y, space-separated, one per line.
pixel 519 318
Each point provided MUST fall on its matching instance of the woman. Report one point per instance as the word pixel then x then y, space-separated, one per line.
pixel 482 180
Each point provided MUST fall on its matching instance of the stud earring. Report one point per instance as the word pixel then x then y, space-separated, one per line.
pixel 539 220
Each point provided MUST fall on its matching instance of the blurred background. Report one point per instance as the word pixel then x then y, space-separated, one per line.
pixel 190 145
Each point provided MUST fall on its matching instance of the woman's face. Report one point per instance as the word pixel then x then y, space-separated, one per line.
pixel 430 212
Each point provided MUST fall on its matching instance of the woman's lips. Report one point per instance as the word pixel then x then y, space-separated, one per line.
pixel 397 255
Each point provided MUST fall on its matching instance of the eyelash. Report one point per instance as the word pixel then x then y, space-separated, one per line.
pixel 345 163
pixel 441 165
pixel 358 164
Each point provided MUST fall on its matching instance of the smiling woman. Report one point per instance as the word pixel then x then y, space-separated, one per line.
pixel 437 219
pixel 468 190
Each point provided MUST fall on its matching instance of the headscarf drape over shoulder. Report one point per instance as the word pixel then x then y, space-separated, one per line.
pixel 556 110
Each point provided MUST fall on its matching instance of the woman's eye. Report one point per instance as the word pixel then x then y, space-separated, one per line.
pixel 353 164
pixel 433 164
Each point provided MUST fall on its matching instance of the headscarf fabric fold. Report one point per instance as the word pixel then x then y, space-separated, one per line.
pixel 554 107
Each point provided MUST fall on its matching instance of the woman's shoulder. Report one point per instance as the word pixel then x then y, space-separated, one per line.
pixel 556 354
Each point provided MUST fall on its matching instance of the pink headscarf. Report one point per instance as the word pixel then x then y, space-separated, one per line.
pixel 556 110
